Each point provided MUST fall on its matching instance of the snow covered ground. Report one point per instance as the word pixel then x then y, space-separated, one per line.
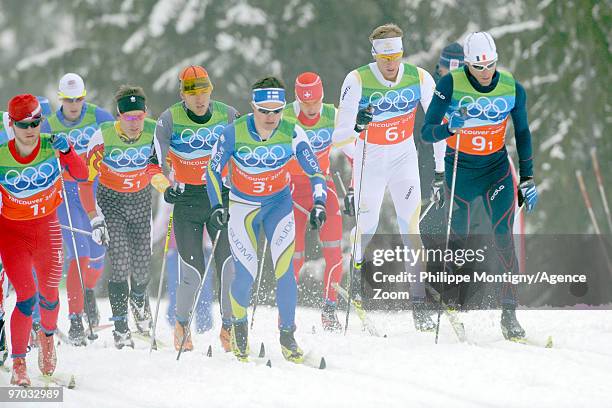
pixel 404 369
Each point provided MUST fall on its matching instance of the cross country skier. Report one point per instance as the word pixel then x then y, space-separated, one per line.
pixel 483 169
pixel 258 148
pixel 317 119
pixel 31 185
pixel 185 135
pixel 119 152
pixel 378 106
pixel 78 120
pixel 175 266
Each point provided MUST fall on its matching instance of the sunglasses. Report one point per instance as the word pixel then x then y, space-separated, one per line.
pixel 270 111
pixel 488 67
pixel 390 57
pixel 29 124
pixel 131 118
pixel 73 100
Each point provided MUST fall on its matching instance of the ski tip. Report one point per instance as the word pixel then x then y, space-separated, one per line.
pixel 322 364
pixel 209 351
pixel 384 336
pixel 269 363
pixel 549 342
pixel 72 383
pixel 262 351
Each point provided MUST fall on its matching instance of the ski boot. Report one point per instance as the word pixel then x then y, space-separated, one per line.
pixel 240 340
pixel 47 358
pixel 76 334
pixel 356 282
pixel 20 373
pixel 3 348
pixel 289 346
pixel 179 331
pixel 511 328
pixel 421 315
pixel 329 319
pixel 91 308
pixel 34 333
pixel 123 339
pixel 141 312
pixel 226 336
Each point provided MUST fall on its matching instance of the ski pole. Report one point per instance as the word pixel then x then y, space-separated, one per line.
pixel 431 203
pixel 341 183
pixel 161 281
pixel 92 336
pixel 450 210
pixel 80 231
pixel 587 201
pixel 600 184
pixel 197 294
pixel 357 213
pixel 259 274
pixel 300 208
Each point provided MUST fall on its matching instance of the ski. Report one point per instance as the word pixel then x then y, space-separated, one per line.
pixel 528 341
pixel 367 323
pixel 144 337
pixel 58 379
pixel 451 314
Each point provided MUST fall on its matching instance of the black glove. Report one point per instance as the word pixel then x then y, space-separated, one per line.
pixel 219 217
pixel 349 202
pixel 364 117
pixel 437 189
pixel 173 195
pixel 317 216
pixel 527 193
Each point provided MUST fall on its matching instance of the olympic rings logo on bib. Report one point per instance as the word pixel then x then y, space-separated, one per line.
pixel 318 138
pixel 400 101
pixel 130 157
pixel 79 138
pixel 202 138
pixel 30 177
pixel 485 108
pixel 262 155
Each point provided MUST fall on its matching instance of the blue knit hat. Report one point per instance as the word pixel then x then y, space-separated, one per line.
pixel 451 56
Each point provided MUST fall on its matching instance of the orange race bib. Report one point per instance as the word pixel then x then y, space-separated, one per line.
pixel 390 131
pixel 124 182
pixel 295 169
pixel 481 140
pixel 35 206
pixel 261 184
pixel 189 171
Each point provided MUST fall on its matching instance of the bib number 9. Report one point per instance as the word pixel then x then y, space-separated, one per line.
pixel 480 143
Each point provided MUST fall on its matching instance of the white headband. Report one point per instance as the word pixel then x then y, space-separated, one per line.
pixel 386 46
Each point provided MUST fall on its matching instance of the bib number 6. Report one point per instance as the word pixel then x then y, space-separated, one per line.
pixel 392 134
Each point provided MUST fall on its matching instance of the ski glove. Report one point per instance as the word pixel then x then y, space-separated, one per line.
pixel 349 202
pixel 456 120
pixel 317 216
pixel 59 142
pixel 527 193
pixel 173 195
pixel 437 189
pixel 99 231
pixel 219 217
pixel 364 117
